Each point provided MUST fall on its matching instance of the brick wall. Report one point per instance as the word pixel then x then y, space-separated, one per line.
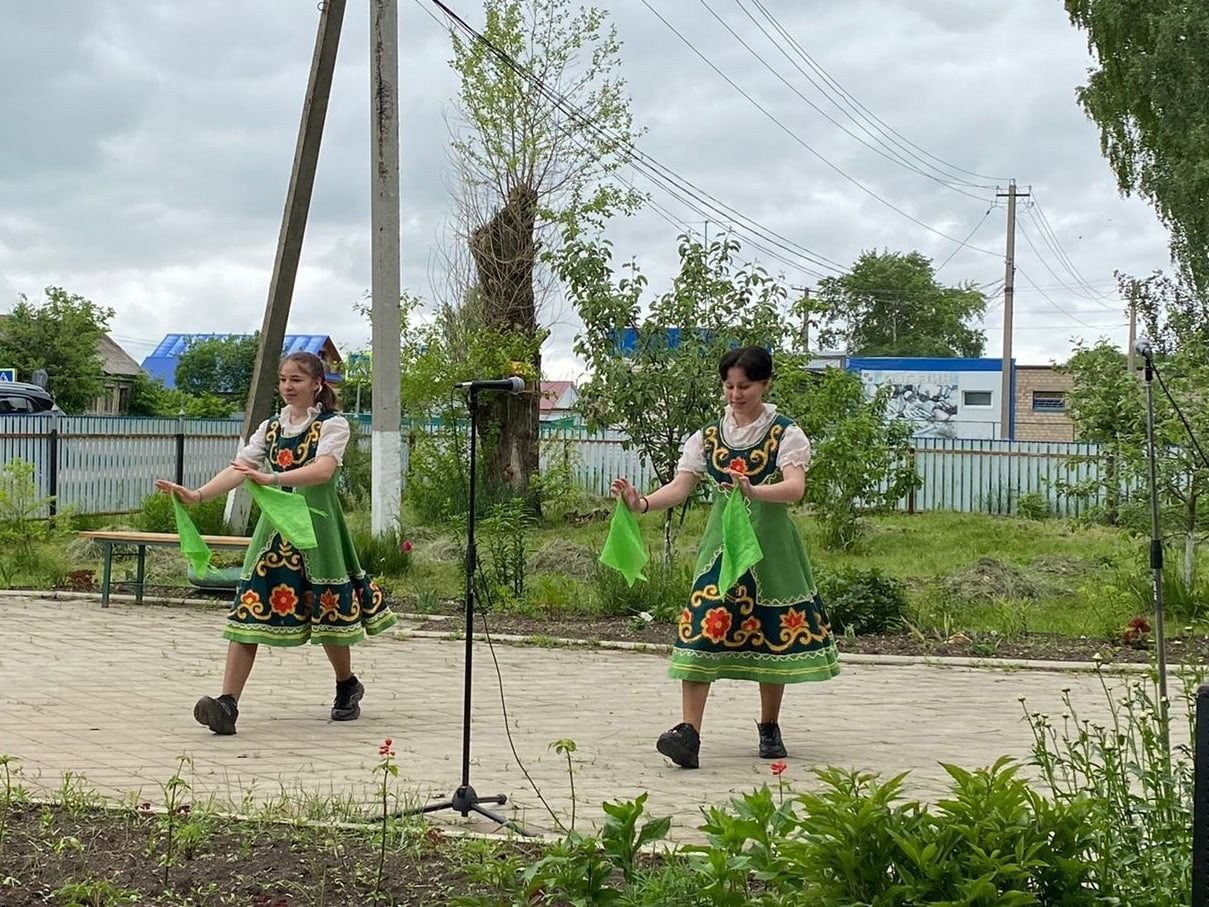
pixel 1036 384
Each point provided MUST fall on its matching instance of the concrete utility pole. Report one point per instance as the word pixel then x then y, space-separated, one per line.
pixel 387 470
pixel 1009 293
pixel 289 241
pixel 1130 365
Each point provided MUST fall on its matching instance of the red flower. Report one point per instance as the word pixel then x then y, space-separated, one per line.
pixel 283 600
pixel 329 602
pixel 285 458
pixel 792 620
pixel 716 624
pixel 778 768
pixel 250 598
pixel 385 748
pixel 405 547
pixel 1140 624
pixel 751 624
pixel 686 617
pixel 738 465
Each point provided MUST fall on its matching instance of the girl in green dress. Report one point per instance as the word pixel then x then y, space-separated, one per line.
pixel 286 596
pixel 770 627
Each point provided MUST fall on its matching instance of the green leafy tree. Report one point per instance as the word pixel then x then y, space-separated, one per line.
pixel 529 166
pixel 890 304
pixel 1149 96
pixel 149 397
pixel 219 366
pixel 664 391
pixel 861 461
pixel 60 335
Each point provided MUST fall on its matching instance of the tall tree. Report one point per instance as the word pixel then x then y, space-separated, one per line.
pixel 1173 314
pixel 60 335
pixel 220 366
pixel 891 304
pixel 537 149
pixel 1149 96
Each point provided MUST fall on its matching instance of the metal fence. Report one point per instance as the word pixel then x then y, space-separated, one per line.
pixel 106 464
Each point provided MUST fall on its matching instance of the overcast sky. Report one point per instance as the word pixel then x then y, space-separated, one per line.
pixel 147 148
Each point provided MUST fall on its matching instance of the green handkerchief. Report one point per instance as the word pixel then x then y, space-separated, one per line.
pixel 623 549
pixel 288 513
pixel 195 550
pixel 740 548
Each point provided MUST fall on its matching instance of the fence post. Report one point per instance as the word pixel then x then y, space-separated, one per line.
pixel 52 476
pixel 1200 801
pixel 180 448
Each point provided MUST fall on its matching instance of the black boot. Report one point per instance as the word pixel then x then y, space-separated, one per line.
pixel 219 715
pixel 682 744
pixel 771 745
pixel 348 695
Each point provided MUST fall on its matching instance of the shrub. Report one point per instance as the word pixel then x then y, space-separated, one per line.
pixel 386 554
pixel 663 596
pixel 1033 506
pixel 436 485
pixel 158 515
pixel 863 601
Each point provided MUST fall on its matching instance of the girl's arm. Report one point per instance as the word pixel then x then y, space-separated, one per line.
pixel 787 491
pixel 317 472
pixel 230 478
pixel 674 492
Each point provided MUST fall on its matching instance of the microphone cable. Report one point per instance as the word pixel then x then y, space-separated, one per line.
pixel 1179 412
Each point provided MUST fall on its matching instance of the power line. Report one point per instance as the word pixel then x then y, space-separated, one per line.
pixel 865 113
pixel 890 156
pixel 965 242
pixel 1046 297
pixel 664 177
pixel 1063 255
pixel 797 138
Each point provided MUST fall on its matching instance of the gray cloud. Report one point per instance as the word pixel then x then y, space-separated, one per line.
pixel 148 147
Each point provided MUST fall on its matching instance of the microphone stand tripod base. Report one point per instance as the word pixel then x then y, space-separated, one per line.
pixel 464 802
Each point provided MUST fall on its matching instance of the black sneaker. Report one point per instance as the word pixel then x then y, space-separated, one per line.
pixel 771 745
pixel 681 744
pixel 348 695
pixel 218 715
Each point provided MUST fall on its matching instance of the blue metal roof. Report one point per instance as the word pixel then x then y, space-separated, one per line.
pixel 920 364
pixel 161 363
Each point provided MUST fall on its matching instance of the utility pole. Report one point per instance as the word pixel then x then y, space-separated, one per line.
pixel 1006 402
pixel 387 468
pixel 289 241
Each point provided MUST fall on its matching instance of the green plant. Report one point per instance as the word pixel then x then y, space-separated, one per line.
pixel 1033 506
pixel 867 601
pixel 21 529
pixel 436 488
pixel 663 596
pixel 565 747
pixel 555 488
pixel 388 769
pixel 95 893
pixel 389 553
pixel 158 515
pixel 623 839
pixel 504 531
pixel 175 789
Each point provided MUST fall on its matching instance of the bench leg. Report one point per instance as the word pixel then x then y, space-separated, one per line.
pixel 106 571
pixel 140 575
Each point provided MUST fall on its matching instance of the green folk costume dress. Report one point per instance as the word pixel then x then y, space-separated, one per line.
pixel 287 597
pixel 771 626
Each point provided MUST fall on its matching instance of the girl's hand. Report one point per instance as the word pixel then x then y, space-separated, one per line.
pixel 185 495
pixel 741 481
pixel 627 492
pixel 255 475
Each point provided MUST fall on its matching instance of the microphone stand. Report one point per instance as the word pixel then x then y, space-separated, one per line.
pixel 465 799
pixel 1156 545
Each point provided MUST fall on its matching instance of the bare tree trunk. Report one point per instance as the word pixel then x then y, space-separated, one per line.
pixel 504 252
pixel 1190 541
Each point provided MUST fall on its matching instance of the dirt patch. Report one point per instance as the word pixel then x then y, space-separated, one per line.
pixel 112 857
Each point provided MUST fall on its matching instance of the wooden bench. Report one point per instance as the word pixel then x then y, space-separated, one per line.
pixel 142 541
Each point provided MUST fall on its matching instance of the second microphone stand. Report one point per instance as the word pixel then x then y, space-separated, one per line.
pixel 1156 541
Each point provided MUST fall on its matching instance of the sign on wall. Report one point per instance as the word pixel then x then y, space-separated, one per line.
pixel 8 375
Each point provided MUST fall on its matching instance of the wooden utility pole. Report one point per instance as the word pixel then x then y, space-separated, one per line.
pixel 804 305
pixel 387 468
pixel 1006 402
pixel 293 228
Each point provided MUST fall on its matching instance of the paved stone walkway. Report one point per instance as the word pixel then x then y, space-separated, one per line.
pixel 109 694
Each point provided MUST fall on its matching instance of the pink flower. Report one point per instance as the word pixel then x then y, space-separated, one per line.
pixel 405 546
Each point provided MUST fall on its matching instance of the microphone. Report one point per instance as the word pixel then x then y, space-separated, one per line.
pixel 513 385
pixel 1142 347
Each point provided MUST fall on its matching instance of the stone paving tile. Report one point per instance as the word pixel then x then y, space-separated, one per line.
pixel 109 694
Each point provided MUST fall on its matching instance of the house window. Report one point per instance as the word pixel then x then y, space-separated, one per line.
pixel 1049 401
pixel 976 398
pixel 123 400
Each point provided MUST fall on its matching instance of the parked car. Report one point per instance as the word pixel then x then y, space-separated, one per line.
pixel 18 398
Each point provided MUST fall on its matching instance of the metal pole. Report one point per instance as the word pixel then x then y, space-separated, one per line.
pixel 1156 547
pixel 1009 294
pixel 471 566
pixel 387 462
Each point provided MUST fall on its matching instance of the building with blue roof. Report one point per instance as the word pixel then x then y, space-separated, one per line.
pixel 161 364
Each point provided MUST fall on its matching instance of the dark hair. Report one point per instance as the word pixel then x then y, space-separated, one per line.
pixel 314 367
pixel 755 361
